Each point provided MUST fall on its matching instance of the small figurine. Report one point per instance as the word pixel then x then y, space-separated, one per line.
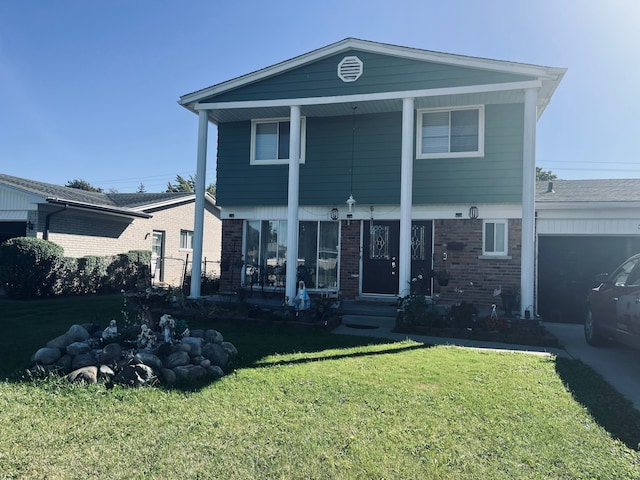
pixel 111 331
pixel 146 338
pixel 168 326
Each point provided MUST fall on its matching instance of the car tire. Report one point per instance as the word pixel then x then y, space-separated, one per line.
pixel 592 331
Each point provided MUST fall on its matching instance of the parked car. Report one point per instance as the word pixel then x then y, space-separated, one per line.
pixel 613 308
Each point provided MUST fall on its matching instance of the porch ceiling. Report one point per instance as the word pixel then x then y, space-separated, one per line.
pixel 342 108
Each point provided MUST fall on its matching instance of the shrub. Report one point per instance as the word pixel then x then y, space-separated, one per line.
pixel 129 271
pixel 28 267
pixel 92 274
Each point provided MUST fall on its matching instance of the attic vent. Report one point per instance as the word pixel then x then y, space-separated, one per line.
pixel 350 69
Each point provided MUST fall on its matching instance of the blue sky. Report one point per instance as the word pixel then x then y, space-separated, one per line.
pixel 89 89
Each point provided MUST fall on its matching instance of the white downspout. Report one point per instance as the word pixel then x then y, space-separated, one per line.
pixel 292 204
pixel 198 221
pixel 527 265
pixel 406 196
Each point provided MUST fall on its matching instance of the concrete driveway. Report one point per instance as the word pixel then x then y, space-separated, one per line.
pixel 617 364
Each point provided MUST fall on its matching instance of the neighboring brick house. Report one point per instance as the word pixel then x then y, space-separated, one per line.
pixel 403 162
pixel 88 223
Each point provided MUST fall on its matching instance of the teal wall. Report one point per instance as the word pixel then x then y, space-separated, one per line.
pixel 325 178
pixel 381 73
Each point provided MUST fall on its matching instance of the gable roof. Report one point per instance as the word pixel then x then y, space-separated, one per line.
pixel 549 77
pixel 127 204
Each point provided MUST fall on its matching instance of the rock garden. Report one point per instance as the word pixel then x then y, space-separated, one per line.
pixel 145 354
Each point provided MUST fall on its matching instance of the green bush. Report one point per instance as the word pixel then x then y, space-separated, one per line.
pixel 92 274
pixel 129 271
pixel 29 266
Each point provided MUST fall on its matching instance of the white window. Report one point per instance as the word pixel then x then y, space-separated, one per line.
pixel 270 141
pixel 495 238
pixel 457 132
pixel 186 239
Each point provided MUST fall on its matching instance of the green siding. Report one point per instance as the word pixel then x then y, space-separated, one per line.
pixel 325 178
pixel 381 73
pixel 494 178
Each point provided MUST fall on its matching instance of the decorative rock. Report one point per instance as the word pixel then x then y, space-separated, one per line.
pixel 213 336
pixel 198 332
pixel 47 355
pixel 105 371
pixel 111 353
pixel 206 363
pixel 168 375
pixel 230 348
pixel 215 353
pixel 83 360
pixel 64 363
pixel 136 376
pixel 84 374
pixel 77 348
pixel 184 347
pixel 189 373
pixel 195 343
pixel 215 371
pixel 177 359
pixel 149 359
pixel 61 342
pixel 78 333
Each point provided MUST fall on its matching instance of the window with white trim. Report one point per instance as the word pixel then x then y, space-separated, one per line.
pixel 494 239
pixel 457 132
pixel 186 239
pixel 270 141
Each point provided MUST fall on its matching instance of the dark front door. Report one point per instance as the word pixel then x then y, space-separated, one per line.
pixel 380 249
pixel 421 256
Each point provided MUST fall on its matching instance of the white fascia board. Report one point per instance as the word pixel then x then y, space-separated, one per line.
pixel 551 206
pixel 175 201
pixel 544 73
pixel 369 97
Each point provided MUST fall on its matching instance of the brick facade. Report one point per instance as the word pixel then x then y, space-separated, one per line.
pixel 350 259
pixel 81 233
pixel 231 275
pixel 468 271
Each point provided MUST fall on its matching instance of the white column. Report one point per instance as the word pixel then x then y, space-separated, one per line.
pixel 527 265
pixel 292 204
pixel 406 196
pixel 198 221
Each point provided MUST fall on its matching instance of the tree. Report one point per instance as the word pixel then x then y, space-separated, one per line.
pixel 83 185
pixel 188 185
pixel 545 175
pixel 141 188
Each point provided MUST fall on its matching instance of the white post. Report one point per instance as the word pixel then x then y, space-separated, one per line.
pixel 527 265
pixel 406 195
pixel 198 221
pixel 292 204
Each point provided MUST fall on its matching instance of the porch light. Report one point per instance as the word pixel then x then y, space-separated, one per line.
pixel 473 212
pixel 350 203
pixel 335 213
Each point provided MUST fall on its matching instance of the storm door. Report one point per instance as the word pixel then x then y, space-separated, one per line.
pixel 421 256
pixel 380 249
pixel 157 256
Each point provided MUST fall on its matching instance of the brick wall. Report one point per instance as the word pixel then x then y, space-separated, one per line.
pixel 230 276
pixel 349 258
pixel 82 233
pixel 476 277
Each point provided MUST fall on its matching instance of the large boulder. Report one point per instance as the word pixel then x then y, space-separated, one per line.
pixel 148 358
pixel 84 374
pixel 216 353
pixel 111 353
pixel 190 373
pixel 196 345
pixel 230 348
pixel 213 336
pixel 83 360
pixel 77 348
pixel 78 333
pixel 61 342
pixel 47 356
pixel 177 359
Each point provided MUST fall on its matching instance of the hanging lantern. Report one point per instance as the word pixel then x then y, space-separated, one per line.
pixel 473 212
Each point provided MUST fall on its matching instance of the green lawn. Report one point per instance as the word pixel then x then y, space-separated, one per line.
pixel 316 405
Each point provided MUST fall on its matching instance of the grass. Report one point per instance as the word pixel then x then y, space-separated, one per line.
pixel 317 405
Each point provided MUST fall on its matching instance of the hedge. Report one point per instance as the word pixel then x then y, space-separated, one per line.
pixel 32 267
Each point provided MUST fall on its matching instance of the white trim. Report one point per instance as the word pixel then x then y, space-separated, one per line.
pixel 406 192
pixel 368 97
pixel 501 221
pixel 280 161
pixel 478 153
pixel 552 74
